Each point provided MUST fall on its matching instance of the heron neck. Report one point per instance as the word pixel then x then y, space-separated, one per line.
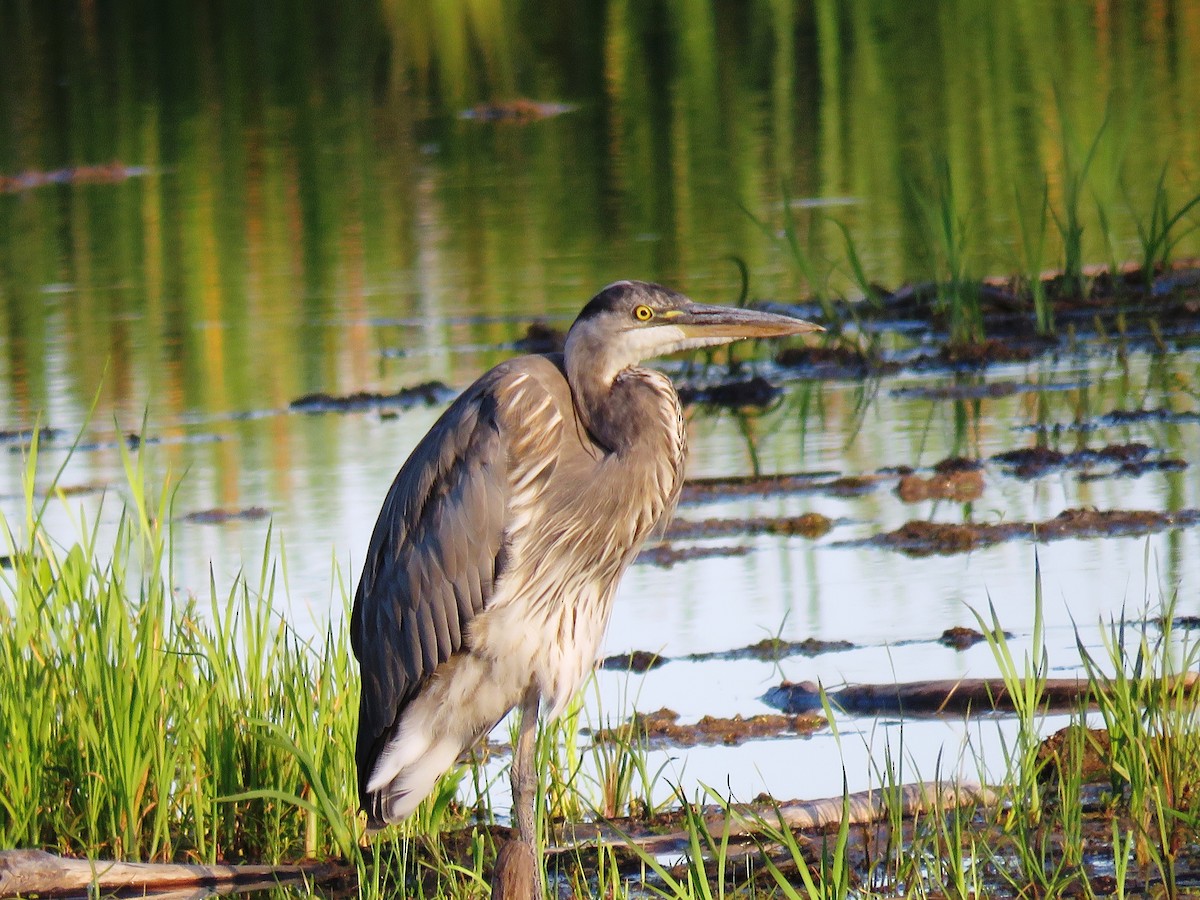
pixel 636 407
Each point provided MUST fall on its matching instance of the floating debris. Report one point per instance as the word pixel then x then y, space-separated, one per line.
pixel 633 661
pixel 982 353
pixel 105 173
pixel 519 111
pixel 937 697
pixel 1137 416
pixel 773 649
pixel 755 391
pixel 430 393
pixel 810 525
pixel 220 516
pixel 1134 469
pixel 25 436
pixel 835 362
pixel 698 490
pixel 961 486
pixel 666 556
pixel 987 390
pixel 921 538
pixel 1031 462
pixel 962 638
pixel 662 727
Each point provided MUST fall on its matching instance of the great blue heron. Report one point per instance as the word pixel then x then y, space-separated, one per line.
pixel 491 571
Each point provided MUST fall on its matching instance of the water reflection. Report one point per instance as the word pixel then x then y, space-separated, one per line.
pixel 317 217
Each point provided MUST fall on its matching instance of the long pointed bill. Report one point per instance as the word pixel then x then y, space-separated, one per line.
pixel 699 321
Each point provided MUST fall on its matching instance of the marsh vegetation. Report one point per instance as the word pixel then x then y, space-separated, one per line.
pixel 247 256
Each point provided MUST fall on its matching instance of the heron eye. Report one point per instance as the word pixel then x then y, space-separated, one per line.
pixel 643 313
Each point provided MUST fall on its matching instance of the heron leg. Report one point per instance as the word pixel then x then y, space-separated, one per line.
pixel 523 772
pixel 518 874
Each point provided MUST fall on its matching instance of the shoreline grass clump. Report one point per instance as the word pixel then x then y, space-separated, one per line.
pixel 143 725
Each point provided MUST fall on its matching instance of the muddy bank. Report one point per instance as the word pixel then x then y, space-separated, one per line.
pixel 956 696
pixel 662 728
pixel 922 538
pixel 667 556
pixel 1133 458
pixel 429 393
pixel 702 490
pixel 809 525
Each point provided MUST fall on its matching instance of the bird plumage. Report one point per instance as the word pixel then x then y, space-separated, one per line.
pixel 494 561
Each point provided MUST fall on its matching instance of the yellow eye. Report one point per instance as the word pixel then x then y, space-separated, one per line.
pixel 643 313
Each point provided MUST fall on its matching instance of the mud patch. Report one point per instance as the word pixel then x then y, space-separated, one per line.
pixel 988 390
pixel 103 173
pixel 518 111
pixel 921 538
pixel 960 486
pixel 663 728
pixel 633 661
pixel 938 697
pixel 749 392
pixel 1081 752
pixel 983 353
pixel 699 490
pixel 429 393
pixel 962 638
pixel 667 556
pixel 25 436
pixel 221 516
pixel 1133 458
pixel 835 362
pixel 809 525
pixel 773 649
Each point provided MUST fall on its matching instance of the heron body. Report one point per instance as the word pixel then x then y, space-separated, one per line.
pixel 491 571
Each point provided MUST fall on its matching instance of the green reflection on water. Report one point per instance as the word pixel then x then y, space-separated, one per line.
pixel 310 175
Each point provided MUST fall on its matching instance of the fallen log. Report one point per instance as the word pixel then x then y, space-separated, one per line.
pixel 25 872
pixel 938 697
pixel 745 819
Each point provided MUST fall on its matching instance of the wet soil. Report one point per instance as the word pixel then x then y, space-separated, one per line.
pixel 633 661
pixel 960 486
pixel 667 555
pixel 962 638
pixel 835 361
pixel 773 649
pixel 770 649
pixel 732 394
pixel 662 728
pixel 1130 459
pixel 221 516
pixel 922 538
pixel 699 490
pixel 518 111
pixel 809 525
pixel 103 173
pixel 428 393
pixel 937 697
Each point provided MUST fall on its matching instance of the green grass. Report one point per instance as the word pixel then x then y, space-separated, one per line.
pixel 143 725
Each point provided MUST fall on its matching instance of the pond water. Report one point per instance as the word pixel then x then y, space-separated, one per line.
pixel 298 205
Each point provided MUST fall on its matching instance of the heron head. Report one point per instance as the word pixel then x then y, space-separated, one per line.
pixel 631 321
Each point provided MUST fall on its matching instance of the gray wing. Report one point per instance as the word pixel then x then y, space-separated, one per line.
pixel 433 561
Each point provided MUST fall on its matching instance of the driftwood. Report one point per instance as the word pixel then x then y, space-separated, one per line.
pixel 742 819
pixel 936 697
pixel 38 872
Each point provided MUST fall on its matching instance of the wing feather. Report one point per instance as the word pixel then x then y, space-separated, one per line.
pixel 430 567
pixel 439 546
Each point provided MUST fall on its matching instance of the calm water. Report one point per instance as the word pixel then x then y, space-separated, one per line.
pixel 315 215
